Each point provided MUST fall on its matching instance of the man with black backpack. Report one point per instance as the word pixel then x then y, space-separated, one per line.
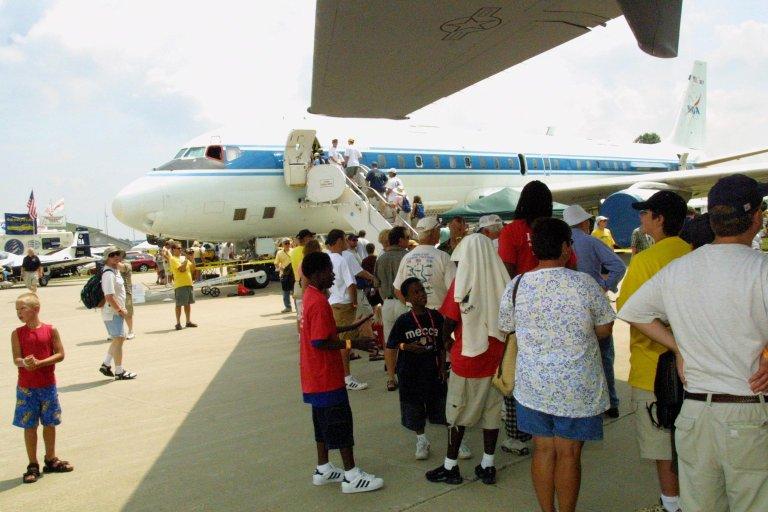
pixel 113 313
pixel 716 301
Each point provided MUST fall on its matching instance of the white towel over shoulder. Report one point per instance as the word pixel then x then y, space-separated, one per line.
pixel 481 275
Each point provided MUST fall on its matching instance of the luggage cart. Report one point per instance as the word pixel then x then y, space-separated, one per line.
pixel 211 286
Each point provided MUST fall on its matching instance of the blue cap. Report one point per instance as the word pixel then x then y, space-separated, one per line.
pixel 738 191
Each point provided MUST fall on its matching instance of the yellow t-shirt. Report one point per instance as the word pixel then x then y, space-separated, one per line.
pixel 180 278
pixel 605 236
pixel 297 254
pixel 282 259
pixel 644 353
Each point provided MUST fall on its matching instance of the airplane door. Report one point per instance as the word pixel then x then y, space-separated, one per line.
pixel 298 156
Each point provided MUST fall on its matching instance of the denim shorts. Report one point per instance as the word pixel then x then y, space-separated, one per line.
pixel 541 424
pixel 37 405
pixel 115 327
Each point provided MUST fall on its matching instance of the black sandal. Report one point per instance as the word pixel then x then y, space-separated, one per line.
pixel 391 385
pixel 106 370
pixel 32 474
pixel 56 465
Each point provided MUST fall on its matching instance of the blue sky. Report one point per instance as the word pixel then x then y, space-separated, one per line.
pixel 95 93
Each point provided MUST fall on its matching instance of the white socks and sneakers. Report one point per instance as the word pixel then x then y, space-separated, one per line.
pixel 670 503
pixel 352 481
pixel 353 384
pixel 422 447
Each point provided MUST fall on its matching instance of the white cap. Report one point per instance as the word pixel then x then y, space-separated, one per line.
pixel 575 214
pixel 489 220
pixel 427 224
pixel 393 170
pixel 600 217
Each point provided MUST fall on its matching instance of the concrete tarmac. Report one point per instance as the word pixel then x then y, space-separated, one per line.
pixel 215 422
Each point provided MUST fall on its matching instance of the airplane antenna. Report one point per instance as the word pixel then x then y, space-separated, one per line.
pixel 106 221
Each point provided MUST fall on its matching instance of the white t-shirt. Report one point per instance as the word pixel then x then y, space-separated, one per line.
pixel 112 283
pixel 716 301
pixel 432 267
pixel 558 358
pixel 353 156
pixel 334 156
pixel 391 187
pixel 361 243
pixel 342 280
pixel 353 262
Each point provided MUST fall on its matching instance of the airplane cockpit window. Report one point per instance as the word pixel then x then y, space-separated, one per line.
pixel 180 153
pixel 195 152
pixel 215 152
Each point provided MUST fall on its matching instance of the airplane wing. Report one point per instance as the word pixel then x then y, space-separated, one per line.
pixel 387 58
pixel 588 193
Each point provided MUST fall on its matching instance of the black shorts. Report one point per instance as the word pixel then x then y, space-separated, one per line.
pixel 333 426
pixel 422 398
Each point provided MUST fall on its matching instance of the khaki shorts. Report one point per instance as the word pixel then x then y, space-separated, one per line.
pixel 472 402
pixel 129 304
pixel 722 456
pixel 184 296
pixel 30 279
pixel 654 443
pixel 344 315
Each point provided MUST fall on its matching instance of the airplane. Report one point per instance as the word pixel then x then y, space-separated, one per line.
pixel 56 264
pixel 233 184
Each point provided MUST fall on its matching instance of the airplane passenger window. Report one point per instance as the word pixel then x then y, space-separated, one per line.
pixel 555 164
pixel 195 152
pixel 269 212
pixel 468 162
pixel 588 164
pixel 496 163
pixel 419 161
pixel 483 162
pixel 452 161
pixel 533 163
pixel 180 153
pixel 435 161
pixel 511 163
pixel 578 165
pixel 239 214
pixel 382 161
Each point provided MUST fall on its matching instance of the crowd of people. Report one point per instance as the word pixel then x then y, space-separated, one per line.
pixel 445 316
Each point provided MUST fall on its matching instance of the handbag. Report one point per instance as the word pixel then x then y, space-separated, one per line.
pixel 504 378
pixel 669 392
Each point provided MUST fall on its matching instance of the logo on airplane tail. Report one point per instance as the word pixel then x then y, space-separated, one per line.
pixel 481 19
pixel 694 109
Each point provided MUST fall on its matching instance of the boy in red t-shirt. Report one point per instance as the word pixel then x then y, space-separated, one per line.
pixel 36 350
pixel 322 379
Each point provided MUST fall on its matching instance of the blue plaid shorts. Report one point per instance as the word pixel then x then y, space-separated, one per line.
pixel 37 405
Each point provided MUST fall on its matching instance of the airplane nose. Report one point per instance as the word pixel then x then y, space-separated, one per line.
pixel 130 206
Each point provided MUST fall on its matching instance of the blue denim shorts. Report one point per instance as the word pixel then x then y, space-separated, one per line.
pixel 115 327
pixel 541 424
pixel 37 405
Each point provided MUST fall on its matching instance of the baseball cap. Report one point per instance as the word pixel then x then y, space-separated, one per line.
pixel 664 202
pixel 737 191
pixel 427 224
pixel 303 233
pixel 393 170
pixel 489 220
pixel 602 217
pixel 575 214
pixel 285 240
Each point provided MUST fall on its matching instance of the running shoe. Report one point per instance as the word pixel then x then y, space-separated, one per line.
pixel 449 476
pixel 333 475
pixel 486 475
pixel 355 385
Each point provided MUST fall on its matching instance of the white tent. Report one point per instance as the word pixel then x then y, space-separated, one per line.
pixel 144 247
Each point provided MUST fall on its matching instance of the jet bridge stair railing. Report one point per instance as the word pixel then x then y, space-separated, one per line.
pixel 362 208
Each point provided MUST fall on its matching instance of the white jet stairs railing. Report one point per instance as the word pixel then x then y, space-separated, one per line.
pixel 362 208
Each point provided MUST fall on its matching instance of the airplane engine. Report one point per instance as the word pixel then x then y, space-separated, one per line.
pixel 622 218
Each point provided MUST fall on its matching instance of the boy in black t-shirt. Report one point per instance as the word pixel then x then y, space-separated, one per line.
pixel 416 340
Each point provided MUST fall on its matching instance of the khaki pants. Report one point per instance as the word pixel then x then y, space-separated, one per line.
pixel 722 456
pixel 390 312
pixel 30 280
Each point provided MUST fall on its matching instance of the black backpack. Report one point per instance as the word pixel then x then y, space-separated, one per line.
pixel 669 392
pixel 92 295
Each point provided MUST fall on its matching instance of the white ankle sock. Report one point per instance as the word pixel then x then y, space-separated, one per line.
pixel 670 503
pixel 108 360
pixel 324 468
pixel 449 464
pixel 422 437
pixel 487 461
pixel 351 474
pixel 119 369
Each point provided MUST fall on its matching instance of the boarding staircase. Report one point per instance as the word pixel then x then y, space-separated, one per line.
pixel 326 185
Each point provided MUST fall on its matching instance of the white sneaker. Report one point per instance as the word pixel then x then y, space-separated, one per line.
pixel 333 475
pixel 130 336
pixel 355 385
pixel 515 446
pixel 362 483
pixel 464 451
pixel 422 449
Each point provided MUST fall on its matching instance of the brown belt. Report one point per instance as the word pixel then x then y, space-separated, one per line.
pixel 723 398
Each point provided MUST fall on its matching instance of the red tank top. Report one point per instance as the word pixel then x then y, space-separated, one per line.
pixel 39 343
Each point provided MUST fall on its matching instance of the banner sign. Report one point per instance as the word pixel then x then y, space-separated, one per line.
pixel 19 224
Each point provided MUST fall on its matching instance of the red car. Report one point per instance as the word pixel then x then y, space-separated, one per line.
pixel 140 261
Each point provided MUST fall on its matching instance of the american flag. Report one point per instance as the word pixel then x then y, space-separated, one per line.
pixel 31 207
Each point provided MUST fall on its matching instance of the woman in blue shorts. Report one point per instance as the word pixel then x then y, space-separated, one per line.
pixel 560 389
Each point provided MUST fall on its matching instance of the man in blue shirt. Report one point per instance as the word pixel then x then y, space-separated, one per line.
pixel 594 257
pixel 376 178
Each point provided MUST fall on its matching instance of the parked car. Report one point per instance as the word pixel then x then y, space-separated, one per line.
pixel 141 261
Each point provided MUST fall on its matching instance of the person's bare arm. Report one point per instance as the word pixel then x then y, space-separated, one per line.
pixel 758 382
pixel 448 327
pixel 390 357
pixel 18 360
pixel 114 305
pixel 603 331
pixel 352 289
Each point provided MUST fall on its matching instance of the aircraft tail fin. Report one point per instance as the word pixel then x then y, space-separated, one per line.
pixel 82 242
pixel 690 128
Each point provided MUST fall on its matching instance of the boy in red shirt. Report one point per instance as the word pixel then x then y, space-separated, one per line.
pixel 36 349
pixel 322 379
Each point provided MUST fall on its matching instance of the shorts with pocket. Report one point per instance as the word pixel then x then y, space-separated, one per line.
pixel 333 425
pixel 37 406
pixel 655 443
pixel 115 327
pixel 542 424
pixel 472 401
pixel 184 296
